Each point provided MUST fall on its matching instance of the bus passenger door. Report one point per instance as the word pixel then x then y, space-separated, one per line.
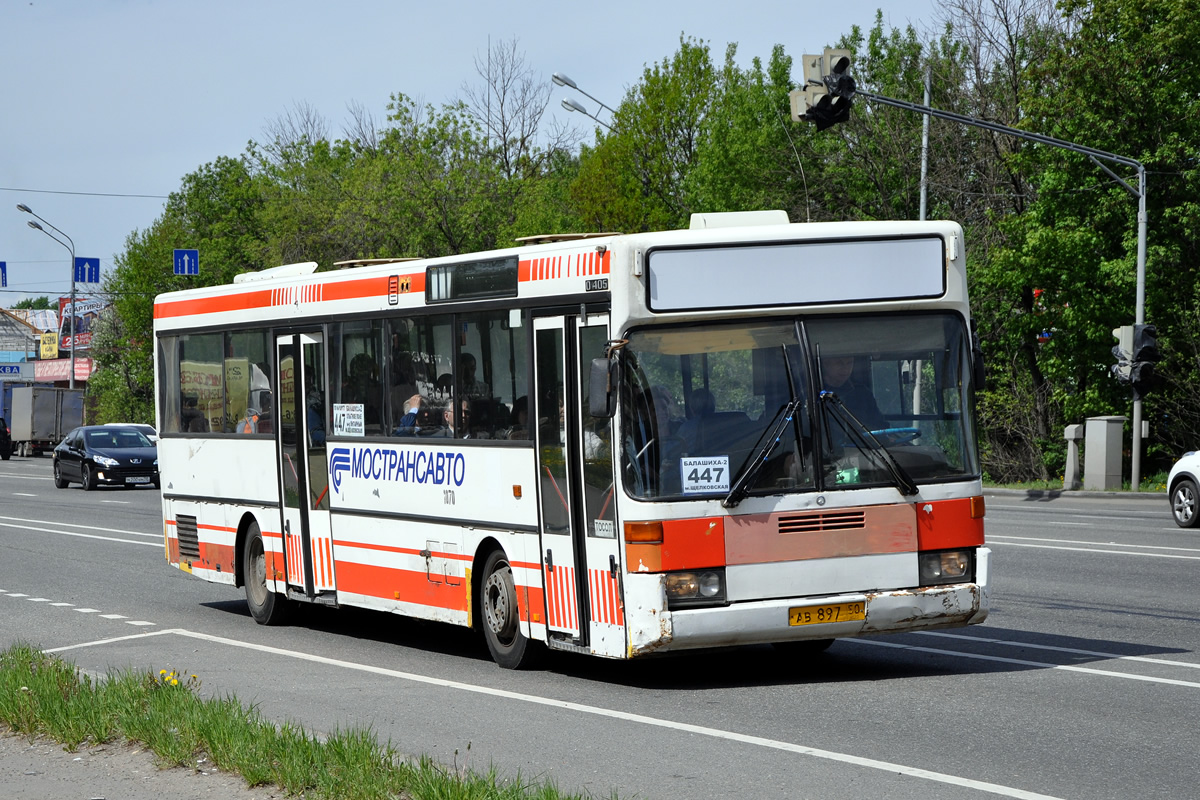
pixel 580 558
pixel 303 468
pixel 598 518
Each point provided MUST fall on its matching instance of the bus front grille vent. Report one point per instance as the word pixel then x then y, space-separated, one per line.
pixel 824 521
pixel 189 537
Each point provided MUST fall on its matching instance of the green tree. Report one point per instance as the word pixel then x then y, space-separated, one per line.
pixel 634 178
pixel 36 304
pixel 1123 78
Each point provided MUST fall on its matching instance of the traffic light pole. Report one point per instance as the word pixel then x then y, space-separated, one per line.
pixel 1097 156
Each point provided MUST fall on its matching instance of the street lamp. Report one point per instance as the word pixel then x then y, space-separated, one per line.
pixel 571 104
pixel 574 105
pixel 71 248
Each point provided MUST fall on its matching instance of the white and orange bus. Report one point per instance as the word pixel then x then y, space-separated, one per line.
pixel 745 432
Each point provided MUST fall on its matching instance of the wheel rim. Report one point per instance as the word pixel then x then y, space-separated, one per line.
pixel 87 476
pixel 57 473
pixel 1185 504
pixel 499 604
pixel 256 581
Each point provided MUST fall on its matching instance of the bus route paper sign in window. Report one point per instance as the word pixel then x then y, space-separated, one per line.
pixel 348 419
pixel 705 475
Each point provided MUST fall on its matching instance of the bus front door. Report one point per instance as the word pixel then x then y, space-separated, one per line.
pixel 580 549
pixel 303 468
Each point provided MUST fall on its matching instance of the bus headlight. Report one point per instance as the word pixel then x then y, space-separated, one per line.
pixel 695 588
pixel 946 566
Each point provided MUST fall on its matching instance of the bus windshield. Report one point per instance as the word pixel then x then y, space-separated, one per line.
pixel 812 404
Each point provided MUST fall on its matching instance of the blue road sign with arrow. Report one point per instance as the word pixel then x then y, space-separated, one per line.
pixel 87 270
pixel 187 262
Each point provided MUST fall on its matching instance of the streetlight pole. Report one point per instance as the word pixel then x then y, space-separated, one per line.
pixel 71 248
pixel 574 105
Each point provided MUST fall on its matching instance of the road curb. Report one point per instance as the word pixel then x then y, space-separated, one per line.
pixel 1065 494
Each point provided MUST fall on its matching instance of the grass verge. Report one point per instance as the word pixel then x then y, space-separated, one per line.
pixel 44 695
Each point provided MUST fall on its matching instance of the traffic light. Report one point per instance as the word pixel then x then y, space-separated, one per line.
pixel 1145 355
pixel 828 89
pixel 1123 352
pixel 1145 343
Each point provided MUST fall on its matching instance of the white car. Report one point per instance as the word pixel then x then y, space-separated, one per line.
pixel 1183 490
pixel 147 430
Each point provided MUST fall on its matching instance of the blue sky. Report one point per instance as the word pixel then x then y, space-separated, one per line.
pixel 125 97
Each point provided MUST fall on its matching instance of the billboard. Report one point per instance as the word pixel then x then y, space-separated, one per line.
pixel 85 311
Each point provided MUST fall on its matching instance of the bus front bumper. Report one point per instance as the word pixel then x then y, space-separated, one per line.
pixel 764 621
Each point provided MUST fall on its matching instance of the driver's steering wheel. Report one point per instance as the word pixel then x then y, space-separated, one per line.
pixel 897 435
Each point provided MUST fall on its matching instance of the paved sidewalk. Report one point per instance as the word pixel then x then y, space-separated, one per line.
pixel 42 770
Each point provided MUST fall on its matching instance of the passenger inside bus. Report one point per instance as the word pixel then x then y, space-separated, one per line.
pixel 468 383
pixel 519 420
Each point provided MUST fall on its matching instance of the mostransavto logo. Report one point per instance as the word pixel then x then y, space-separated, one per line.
pixel 411 465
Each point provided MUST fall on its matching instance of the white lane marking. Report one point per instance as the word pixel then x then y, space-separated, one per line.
pixel 1076 651
pixel 109 641
pixel 73 525
pixel 1104 544
pixel 716 733
pixel 1130 515
pixel 81 610
pixel 116 502
pixel 23 494
pixel 86 535
pixel 1027 663
pixel 1095 550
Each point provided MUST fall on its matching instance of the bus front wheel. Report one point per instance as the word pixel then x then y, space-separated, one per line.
pixel 509 647
pixel 267 607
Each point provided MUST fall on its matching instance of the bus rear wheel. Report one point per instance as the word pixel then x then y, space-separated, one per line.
pixel 509 647
pixel 267 607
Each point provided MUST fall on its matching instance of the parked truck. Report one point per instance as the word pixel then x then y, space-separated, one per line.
pixel 42 416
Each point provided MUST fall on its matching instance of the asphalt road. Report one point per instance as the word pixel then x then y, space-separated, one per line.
pixel 1082 684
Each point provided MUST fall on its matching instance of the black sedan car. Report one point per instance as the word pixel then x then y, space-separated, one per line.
pixel 111 455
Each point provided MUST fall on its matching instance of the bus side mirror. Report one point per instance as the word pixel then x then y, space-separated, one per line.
pixel 980 370
pixel 600 388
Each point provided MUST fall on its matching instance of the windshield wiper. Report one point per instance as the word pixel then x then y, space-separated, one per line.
pixel 766 446
pixel 866 441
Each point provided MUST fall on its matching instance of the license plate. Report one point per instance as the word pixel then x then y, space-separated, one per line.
pixel 835 612
pixel 138 479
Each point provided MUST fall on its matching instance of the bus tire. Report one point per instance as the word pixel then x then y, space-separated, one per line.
pixel 267 607
pixel 802 648
pixel 510 648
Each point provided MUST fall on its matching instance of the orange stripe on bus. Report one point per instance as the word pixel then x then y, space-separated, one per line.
pixel 375 286
pixel 406 585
